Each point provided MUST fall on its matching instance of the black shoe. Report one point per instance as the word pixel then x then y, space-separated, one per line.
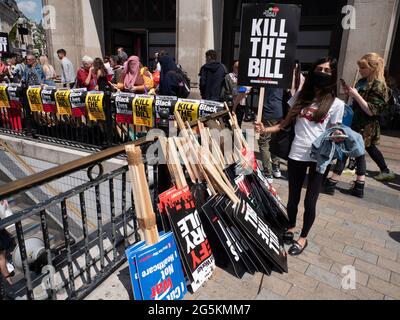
pixel 330 187
pixel 297 249
pixel 288 238
pixel 358 189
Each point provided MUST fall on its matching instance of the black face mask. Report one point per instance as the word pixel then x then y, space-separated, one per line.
pixel 321 80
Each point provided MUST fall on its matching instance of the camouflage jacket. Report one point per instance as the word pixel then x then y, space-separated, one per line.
pixel 376 95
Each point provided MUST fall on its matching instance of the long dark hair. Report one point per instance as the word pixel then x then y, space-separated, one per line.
pixel 98 64
pixel 326 96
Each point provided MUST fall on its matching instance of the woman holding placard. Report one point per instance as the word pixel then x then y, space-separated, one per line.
pixel 313 109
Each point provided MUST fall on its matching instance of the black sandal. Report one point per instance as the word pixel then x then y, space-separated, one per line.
pixel 288 238
pixel 297 249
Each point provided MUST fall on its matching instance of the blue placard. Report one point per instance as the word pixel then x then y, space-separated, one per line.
pixel 156 271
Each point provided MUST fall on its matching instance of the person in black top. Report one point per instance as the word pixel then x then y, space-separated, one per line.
pixel 212 76
pixel 169 81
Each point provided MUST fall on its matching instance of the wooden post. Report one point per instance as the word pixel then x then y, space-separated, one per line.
pixel 141 194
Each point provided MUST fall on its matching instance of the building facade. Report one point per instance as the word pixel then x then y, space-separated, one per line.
pixel 188 28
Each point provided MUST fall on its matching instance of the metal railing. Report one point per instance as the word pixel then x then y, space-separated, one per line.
pixel 70 266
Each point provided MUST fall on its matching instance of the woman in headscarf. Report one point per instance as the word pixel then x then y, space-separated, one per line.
pixel 133 78
pixel 169 81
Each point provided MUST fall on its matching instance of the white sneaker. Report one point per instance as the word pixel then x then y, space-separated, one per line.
pixel 270 179
pixel 277 173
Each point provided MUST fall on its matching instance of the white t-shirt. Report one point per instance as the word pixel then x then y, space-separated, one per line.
pixel 307 131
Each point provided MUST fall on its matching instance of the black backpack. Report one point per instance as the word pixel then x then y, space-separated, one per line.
pixel 184 83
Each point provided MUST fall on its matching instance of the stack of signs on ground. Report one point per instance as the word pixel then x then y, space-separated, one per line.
pixel 184 220
pixel 156 271
pixel 262 195
pixel 235 251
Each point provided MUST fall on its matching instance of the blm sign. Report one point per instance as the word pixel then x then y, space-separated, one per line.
pixel 268 44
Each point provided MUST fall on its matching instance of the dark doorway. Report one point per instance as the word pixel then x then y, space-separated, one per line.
pixel 134 43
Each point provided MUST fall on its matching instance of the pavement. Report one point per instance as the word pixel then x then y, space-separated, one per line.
pixel 353 252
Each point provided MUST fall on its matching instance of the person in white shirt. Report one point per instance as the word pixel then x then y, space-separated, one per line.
pixel 314 109
pixel 68 72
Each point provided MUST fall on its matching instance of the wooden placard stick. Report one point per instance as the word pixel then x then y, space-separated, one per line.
pixel 260 108
pixel 176 165
pixel 141 194
pixel 181 151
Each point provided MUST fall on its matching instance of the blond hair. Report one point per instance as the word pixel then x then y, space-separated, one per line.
pixel 376 63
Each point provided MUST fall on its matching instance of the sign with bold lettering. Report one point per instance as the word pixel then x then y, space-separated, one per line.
pixel 165 105
pixel 63 103
pixel 123 107
pixel 195 249
pixel 156 271
pixel 78 102
pixel 94 105
pixel 35 99
pixel 268 44
pixel 188 109
pixel 143 111
pixel 207 108
pixel 4 102
pixel 49 99
pixel 14 95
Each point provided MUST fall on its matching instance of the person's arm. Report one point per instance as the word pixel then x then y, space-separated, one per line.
pixel 89 77
pixel 376 100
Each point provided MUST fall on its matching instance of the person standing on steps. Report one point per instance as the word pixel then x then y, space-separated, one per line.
pixel 314 109
pixel 370 97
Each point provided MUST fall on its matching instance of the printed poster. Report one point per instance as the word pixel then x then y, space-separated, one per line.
pixel 4 103
pixel 188 109
pixel 35 99
pixel 94 105
pixel 143 111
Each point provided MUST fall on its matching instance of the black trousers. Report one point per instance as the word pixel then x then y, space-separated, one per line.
pixel 297 173
pixel 361 166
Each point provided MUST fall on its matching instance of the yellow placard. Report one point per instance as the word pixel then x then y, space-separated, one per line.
pixel 143 111
pixel 4 103
pixel 63 103
pixel 188 109
pixel 35 99
pixel 94 106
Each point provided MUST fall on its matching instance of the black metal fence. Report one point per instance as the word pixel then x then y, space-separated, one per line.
pixel 70 266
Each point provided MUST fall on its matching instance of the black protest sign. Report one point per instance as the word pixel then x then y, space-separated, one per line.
pixel 78 102
pixel 49 99
pixel 164 108
pixel 14 95
pixel 268 44
pixel 224 249
pixel 191 238
pixel 122 106
pixel 263 236
pixel 4 43
pixel 207 108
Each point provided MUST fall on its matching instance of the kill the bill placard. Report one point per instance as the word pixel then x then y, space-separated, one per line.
pixel 268 42
pixel 94 105
pixel 35 98
pixel 4 103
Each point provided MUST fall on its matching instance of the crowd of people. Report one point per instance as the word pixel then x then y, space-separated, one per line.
pixel 310 106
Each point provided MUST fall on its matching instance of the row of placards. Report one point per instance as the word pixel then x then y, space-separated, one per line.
pixel 140 110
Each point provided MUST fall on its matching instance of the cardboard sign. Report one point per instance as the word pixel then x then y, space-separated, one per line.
pixel 188 109
pixel 207 108
pixel 78 102
pixel 165 105
pixel 122 104
pixel 35 99
pixel 4 43
pixel 49 99
pixel 262 235
pixel 94 105
pixel 197 257
pixel 63 103
pixel 4 102
pixel 156 271
pixel 143 111
pixel 14 95
pixel 268 44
